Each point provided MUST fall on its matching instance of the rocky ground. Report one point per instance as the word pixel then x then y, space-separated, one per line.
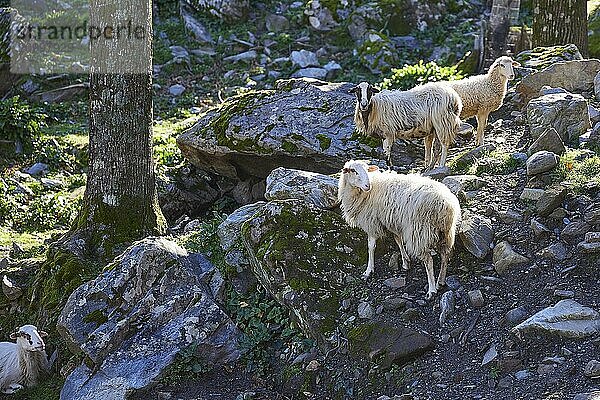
pixel 273 306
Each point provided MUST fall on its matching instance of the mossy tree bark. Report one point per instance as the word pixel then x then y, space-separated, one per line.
pixel 559 22
pixel 120 202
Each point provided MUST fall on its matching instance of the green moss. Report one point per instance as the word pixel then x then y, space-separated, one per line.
pixel 242 104
pixel 496 162
pixel 289 147
pixel 324 141
pixel 96 316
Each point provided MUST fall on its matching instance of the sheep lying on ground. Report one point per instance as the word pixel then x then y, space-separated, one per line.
pixel 429 111
pixel 21 364
pixel 482 94
pixel 421 213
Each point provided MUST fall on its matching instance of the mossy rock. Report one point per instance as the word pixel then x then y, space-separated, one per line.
pixel 307 265
pixel 542 57
pixel 301 124
pixel 387 344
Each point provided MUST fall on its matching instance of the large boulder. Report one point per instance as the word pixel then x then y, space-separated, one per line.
pixel 574 76
pixel 155 282
pixel 543 57
pixel 476 234
pixel 306 266
pixel 302 124
pixel 567 113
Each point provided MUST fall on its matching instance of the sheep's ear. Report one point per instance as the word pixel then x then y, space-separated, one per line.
pixel 42 334
pixel 373 168
pixel 375 90
pixel 14 335
pixel 353 90
pixel 515 64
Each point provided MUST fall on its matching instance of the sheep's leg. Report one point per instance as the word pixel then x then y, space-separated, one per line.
pixel 387 148
pixel 441 280
pixel 444 155
pixel 405 257
pixel 371 263
pixel 428 261
pixel 481 124
pixel 429 151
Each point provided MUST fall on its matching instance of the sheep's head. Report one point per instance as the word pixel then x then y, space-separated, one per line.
pixel 356 174
pixel 504 66
pixel 364 92
pixel 29 338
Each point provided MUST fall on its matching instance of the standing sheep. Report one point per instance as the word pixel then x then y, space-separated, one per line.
pixel 421 213
pixel 428 111
pixel 22 363
pixel 482 94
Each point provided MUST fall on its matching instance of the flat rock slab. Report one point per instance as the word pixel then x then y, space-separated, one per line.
pixel 567 113
pixel 155 282
pixel 567 319
pixel 318 189
pixel 303 124
pixel 387 344
pixel 574 76
pixel 476 234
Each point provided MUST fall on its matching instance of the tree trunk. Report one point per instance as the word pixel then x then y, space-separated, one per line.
pixel 560 22
pixel 120 202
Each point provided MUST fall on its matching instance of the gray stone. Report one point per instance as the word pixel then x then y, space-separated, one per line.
pixel 333 69
pixel 177 89
pixel 304 58
pixel 591 214
pixel 312 72
pixel 470 156
pixel 539 229
pixel 197 30
pixel 566 319
pixel 228 10
pixel 565 294
pixel 447 304
pixel 320 190
pixel 476 234
pixel 365 310
pixel 594 114
pixel 458 183
pixel 437 173
pixel 516 316
pixel 159 283
pixel 574 76
pixel 595 395
pixel 550 141
pixel 277 23
pixel 592 369
pixel 552 199
pixel 505 258
pixel 556 251
pixel 179 52
pixel 591 244
pixel 37 169
pixel 395 283
pixel 320 17
pixel 529 194
pixel 245 56
pixel 229 232
pixel 566 113
pixel 540 162
pixel 574 231
pixel 522 375
pixel 62 94
pixel 550 90
pixel 301 124
pixel 52 183
pixel 476 298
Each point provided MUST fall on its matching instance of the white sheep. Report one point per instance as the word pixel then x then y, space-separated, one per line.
pixel 429 111
pixel 482 94
pixel 22 363
pixel 421 213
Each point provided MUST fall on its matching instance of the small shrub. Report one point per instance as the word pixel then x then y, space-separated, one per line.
pixel 20 122
pixel 579 171
pixel 410 76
